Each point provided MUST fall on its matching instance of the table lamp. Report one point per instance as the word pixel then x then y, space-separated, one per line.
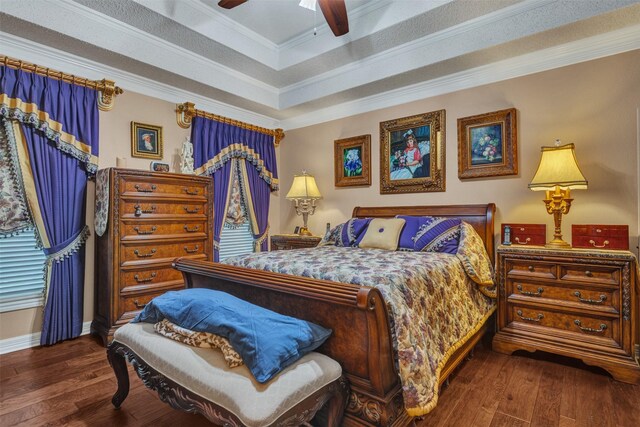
pixel 304 192
pixel 558 173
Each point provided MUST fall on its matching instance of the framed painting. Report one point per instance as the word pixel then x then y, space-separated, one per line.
pixel 487 145
pixel 146 141
pixel 352 161
pixel 412 154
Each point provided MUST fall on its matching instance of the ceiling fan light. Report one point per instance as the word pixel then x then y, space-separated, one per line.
pixel 308 4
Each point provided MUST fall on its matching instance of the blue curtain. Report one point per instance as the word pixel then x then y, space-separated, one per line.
pixel 215 144
pixel 54 128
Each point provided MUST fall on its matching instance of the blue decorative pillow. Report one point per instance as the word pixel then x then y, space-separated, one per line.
pixel 411 226
pixel 353 231
pixel 267 341
pixel 439 235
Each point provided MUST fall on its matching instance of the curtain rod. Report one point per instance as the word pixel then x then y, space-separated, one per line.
pixel 107 88
pixel 185 112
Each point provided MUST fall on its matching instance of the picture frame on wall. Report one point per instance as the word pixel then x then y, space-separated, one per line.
pixel 488 145
pixel 412 154
pixel 352 161
pixel 146 141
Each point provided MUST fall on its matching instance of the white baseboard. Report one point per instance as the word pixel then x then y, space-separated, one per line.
pixel 30 340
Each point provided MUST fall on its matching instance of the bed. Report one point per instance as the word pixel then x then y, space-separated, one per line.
pixel 365 337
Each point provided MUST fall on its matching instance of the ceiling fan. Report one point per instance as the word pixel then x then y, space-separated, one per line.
pixel 334 11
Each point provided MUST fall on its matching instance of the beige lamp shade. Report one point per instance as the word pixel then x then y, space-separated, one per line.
pixel 558 167
pixel 304 187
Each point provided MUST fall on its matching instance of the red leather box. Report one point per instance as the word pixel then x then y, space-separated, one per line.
pixel 600 236
pixel 527 234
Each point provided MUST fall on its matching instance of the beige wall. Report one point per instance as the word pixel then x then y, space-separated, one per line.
pixel 592 104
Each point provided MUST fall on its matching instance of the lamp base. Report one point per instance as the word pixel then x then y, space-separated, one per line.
pixel 304 231
pixel 557 244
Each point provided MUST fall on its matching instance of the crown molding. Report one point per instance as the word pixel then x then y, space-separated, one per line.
pixel 587 49
pixel 48 57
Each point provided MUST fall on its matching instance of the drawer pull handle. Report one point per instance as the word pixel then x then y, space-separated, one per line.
pixel 147 255
pixel 585 329
pixel 137 229
pixel 191 192
pixel 602 299
pixel 146 279
pixel 531 294
pixel 531 319
pixel 141 189
pixel 138 305
pixel 191 230
pixel 139 211
pixel 531 268
pixel 606 242
pixel 517 239
pixel 191 251
pixel 191 211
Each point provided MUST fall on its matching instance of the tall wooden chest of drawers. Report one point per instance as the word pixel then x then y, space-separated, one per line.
pixel 153 218
pixel 578 303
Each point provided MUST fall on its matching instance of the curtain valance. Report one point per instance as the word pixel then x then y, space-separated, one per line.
pixel 65 113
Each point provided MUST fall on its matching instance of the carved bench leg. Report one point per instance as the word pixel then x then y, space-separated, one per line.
pixel 119 365
pixel 337 403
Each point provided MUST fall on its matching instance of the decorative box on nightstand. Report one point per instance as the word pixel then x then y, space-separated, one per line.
pixel 293 241
pixel 576 302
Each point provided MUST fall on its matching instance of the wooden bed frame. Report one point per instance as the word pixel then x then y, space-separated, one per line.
pixel 361 339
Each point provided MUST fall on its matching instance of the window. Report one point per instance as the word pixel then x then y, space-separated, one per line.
pixel 236 240
pixel 21 269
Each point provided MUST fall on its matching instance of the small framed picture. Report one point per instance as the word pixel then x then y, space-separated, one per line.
pixel 487 145
pixel 146 141
pixel 159 167
pixel 352 159
pixel 296 230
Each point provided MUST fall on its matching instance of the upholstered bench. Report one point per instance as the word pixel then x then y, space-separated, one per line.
pixel 199 380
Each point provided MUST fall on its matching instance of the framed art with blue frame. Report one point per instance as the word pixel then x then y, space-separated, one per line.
pixel 488 144
pixel 352 161
pixel 412 154
pixel 146 141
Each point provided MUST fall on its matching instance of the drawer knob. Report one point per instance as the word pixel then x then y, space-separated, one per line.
pixel 528 239
pixel 191 230
pixel 146 279
pixel 603 245
pixel 139 231
pixel 531 294
pixel 138 305
pixel 585 329
pixel 588 273
pixel 531 268
pixel 191 192
pixel 191 211
pixel 142 189
pixel 191 251
pixel 147 255
pixel 530 319
pixel 602 299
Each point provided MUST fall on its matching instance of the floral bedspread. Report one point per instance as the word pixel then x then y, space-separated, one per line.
pixel 434 304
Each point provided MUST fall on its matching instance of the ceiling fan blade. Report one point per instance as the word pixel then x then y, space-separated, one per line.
pixel 230 4
pixel 335 12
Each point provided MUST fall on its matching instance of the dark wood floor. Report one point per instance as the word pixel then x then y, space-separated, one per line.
pixel 71 384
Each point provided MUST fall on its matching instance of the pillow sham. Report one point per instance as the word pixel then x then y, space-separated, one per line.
pixel 439 235
pixel 383 234
pixel 475 260
pixel 267 341
pixel 331 237
pixel 410 229
pixel 353 231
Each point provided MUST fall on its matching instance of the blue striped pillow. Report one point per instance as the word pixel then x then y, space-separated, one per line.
pixel 353 231
pixel 440 235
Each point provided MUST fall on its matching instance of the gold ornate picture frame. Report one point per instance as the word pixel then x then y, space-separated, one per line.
pixel 488 144
pixel 146 141
pixel 352 161
pixel 412 154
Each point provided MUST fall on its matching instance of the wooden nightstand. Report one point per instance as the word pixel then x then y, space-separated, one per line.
pixel 293 241
pixel 579 303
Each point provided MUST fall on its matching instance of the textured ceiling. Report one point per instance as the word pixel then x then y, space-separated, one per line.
pixel 263 60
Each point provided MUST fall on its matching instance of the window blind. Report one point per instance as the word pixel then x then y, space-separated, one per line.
pixel 235 240
pixel 21 268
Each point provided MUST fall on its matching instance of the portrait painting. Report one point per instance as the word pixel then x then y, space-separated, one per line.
pixel 352 161
pixel 487 145
pixel 412 154
pixel 146 141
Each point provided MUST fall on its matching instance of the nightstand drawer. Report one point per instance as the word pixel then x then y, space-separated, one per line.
pixel 530 268
pixel 579 297
pixel 590 274
pixel 585 328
